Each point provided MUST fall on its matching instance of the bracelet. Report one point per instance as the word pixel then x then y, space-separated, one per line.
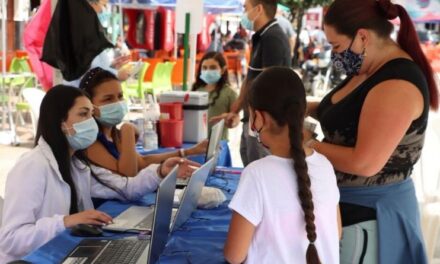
pixel 159 170
pixel 182 153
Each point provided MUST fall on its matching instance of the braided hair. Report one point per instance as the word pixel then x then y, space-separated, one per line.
pixel 280 92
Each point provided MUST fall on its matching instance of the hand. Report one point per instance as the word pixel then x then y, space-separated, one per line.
pixel 307 135
pixel 200 148
pixel 185 170
pixel 124 73
pixel 90 217
pixel 120 61
pixel 231 119
pixel 308 138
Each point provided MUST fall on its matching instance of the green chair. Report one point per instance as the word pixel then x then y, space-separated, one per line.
pixel 134 88
pixel 161 78
pixel 21 65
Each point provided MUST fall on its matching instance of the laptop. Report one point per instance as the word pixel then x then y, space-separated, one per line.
pixel 132 249
pixel 140 218
pixel 212 150
pixel 191 195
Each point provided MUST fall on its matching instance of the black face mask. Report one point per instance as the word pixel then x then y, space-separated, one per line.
pixel 256 132
pixel 348 61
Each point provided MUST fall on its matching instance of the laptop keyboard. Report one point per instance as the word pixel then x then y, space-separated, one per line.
pixel 182 182
pixel 126 251
pixel 146 223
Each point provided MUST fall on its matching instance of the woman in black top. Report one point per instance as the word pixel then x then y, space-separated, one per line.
pixel 374 125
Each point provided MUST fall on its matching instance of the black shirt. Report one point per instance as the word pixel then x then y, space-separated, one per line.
pixel 340 121
pixel 270 47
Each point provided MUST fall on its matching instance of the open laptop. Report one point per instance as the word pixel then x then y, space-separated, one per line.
pixel 140 218
pixel 132 250
pixel 212 150
pixel 191 195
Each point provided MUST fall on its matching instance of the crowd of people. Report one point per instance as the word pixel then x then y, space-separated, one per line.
pixel 346 199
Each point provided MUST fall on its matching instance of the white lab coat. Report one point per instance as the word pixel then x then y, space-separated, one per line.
pixel 37 198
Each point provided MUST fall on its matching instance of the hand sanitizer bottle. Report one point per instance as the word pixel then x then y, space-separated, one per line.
pixel 150 137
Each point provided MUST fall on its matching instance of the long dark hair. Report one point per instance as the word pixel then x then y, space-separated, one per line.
pixel 95 77
pixel 280 92
pixel 348 16
pixel 92 79
pixel 224 80
pixel 54 110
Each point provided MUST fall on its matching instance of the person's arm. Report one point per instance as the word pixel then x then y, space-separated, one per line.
pixel 133 188
pixel 239 239
pixel 103 61
pixel 292 42
pixel 22 231
pixel 338 214
pixel 199 148
pixel 312 109
pixel 127 165
pixel 232 119
pixel 237 106
pixel 383 122
pixel 232 97
pixel 128 158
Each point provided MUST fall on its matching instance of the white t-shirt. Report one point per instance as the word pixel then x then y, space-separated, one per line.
pixel 267 196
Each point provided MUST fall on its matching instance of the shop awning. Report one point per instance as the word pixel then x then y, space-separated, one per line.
pixel 211 6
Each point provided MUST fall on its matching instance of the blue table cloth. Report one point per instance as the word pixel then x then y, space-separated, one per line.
pixel 224 159
pixel 199 240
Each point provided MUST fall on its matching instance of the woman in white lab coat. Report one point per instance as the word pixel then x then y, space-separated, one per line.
pixel 50 187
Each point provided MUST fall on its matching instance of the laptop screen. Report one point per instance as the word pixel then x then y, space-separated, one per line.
pixel 192 194
pixel 162 215
pixel 214 139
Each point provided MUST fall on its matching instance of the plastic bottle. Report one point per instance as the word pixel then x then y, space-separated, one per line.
pixel 150 137
pixel 140 125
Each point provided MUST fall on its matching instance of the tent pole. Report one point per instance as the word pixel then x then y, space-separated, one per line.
pixel 57 78
pixel 4 47
pixel 186 51
pixel 4 58
pixel 121 21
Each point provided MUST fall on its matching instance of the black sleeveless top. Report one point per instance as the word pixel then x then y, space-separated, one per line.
pixel 340 122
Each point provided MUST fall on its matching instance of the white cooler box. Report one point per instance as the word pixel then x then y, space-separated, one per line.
pixel 195 113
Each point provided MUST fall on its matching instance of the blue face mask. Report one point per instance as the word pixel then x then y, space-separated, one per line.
pixel 246 22
pixel 347 61
pixel 85 135
pixel 103 18
pixel 112 114
pixel 210 76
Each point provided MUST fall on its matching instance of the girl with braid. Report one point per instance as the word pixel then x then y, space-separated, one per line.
pixel 285 209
